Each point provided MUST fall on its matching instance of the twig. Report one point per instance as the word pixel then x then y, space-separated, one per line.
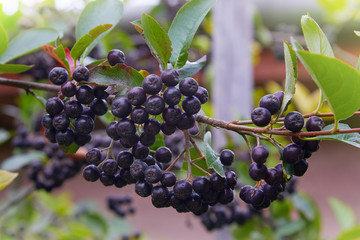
pixel 196 147
pixel 204 171
pixel 17 199
pixel 176 159
pixel 187 150
pixel 29 85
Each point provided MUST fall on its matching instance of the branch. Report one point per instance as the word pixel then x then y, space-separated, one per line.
pixel 29 85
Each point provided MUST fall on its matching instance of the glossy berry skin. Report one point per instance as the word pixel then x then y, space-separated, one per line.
pixel 65 138
pixel 136 96
pixel 109 167
pixel 187 121
pixel 73 108
pixel 257 171
pixel 172 96
pixel 170 77
pixel 139 115
pixel 115 56
pixel 314 123
pixel 99 92
pixel 153 174
pixel 231 179
pixel 93 156
pixel 193 204
pixel 202 94
pixel 54 106
pixel 245 193
pixel 58 75
pixel 217 182
pixel 84 125
pixel 293 153
pixel 172 115
pixel 227 157
pixel 85 94
pixel 143 188
pixel 300 168
pixel 280 96
pixel 81 74
pixel 155 105
pixel 149 160
pixel 147 139
pixel 152 126
pixel 89 112
pixel 61 122
pixel 50 134
pixel 111 131
pixel 82 139
pixel 124 159
pixel 167 129
pixel 191 105
pixel 163 155
pixel 140 151
pixel 294 121
pixel 271 103
pixel 121 107
pixel 311 146
pixel 130 141
pixel 91 173
pixel 126 128
pixel 182 190
pixel 270 191
pixel 259 154
pixel 226 196
pixel 137 169
pixel 260 116
pixel 68 89
pixel 106 180
pixel 152 84
pixel 188 86
pixel 201 185
pixel 168 179
pixel 258 198
pixel 274 176
pixel 46 121
pixel 99 106
pixel 159 196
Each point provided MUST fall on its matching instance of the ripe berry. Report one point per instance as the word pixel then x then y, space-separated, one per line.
pixel 311 146
pixel 257 171
pixel 85 94
pixel 111 131
pixel 84 125
pixel 300 168
pixel 217 182
pixel 294 121
pixel 152 84
pixel 159 196
pixel 126 176
pixel 260 116
pixel 136 96
pixel 271 103
pixel 99 92
pixel 153 174
pixel 246 193
pixel 163 155
pixel 143 188
pixel 125 159
pixel 257 198
pixel 81 74
pixel 137 169
pixel 88 111
pixel 106 180
pixel 170 77
pixel 172 115
pixel 91 173
pixel 115 56
pixel 73 108
pixel 152 126
pixel 99 106
pixel 50 134
pixel 187 121
pixel 293 153
pixel 126 128
pixel 270 191
pixel 139 115
pixel 140 151
pixel 193 204
pixel 65 138
pixel 231 179
pixel 202 94
pixel 155 105
pixel 280 96
pixel 121 107
pixel 314 123
pixel 182 190
pixel 227 157
pixel 68 89
pixel 61 122
pixel 226 196
pixel 274 176
pixel 167 129
pixel 130 141
pixel 188 86
pixel 147 139
pixel 58 75
pixel 191 105
pixel 201 185
pixel 172 96
pixel 93 156
pixel 54 106
pixel 109 167
pixel 149 160
pixel 46 121
pixel 118 181
pixel 259 154
pixel 168 179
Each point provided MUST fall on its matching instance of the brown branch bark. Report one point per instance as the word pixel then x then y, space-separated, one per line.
pixel 28 85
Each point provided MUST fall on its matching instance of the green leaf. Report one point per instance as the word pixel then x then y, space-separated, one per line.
pixel 302 203
pixel 157 38
pixel 290 228
pixel 315 39
pixel 138 26
pixel 212 159
pixel 184 27
pixel 343 213
pixel 13 68
pixel 16 162
pixel 70 149
pixel 201 163
pixel 291 76
pixel 295 44
pixel 352 234
pixel 87 39
pixel 159 142
pixel 97 13
pixel 339 82
pixel 119 74
pixel 27 42
pixel 192 68
pixel 4 41
pixel 349 138
pixel 6 178
pixel 60 52
pixel 358 64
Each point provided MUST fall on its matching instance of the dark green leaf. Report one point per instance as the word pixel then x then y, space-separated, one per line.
pixel 315 39
pixel 60 52
pixel 13 68
pixel 349 138
pixel 191 68
pixel 343 213
pixel 27 42
pixel 159 142
pixel 97 13
pixel 212 159
pixel 16 162
pixel 184 27
pixel 4 41
pixel 87 39
pixel 201 163
pixel 119 74
pixel 157 38
pixel 339 82
pixel 70 149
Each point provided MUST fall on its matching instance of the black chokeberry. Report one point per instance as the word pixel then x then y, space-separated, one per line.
pixel 168 179
pixel 246 193
pixel 257 198
pixel 280 96
pixel 61 122
pixel 188 86
pixel 155 105
pixel 293 153
pixel 193 204
pixel 139 115
pixel 109 167
pixel 152 126
pixel 271 103
pixel 274 176
pixel 147 139
pixel 182 190
pixel 152 84
pixel 159 196
pixel 91 173
pixel 143 188
pixel 121 107
pixel 153 174
pixel 167 129
pixel 93 156
pixel 89 112
pixel 46 121
pixel 231 179
pixel 140 151
pixel 259 154
pixel 115 56
pixel 85 94
pixel 191 105
pixel 294 121
pixel 68 89
pixel 137 169
pixel 227 157
pixel 130 141
pixel 136 96
pixel 99 106
pixel 81 74
pixel 170 77
pixel 65 138
pixel 50 134
pixel 163 155
pixel 260 116
pixel 73 108
pixel 311 146
pixel 84 125
pixel 149 160
pixel 111 131
pixel 172 96
pixel 300 168
pixel 218 183
pixel 187 121
pixel 257 171
pixel 125 159
pixel 201 185
pixel 54 106
pixel 99 92
pixel 58 75
pixel 226 196
pixel 82 139
pixel 202 94
pixel 314 123
pixel 172 115
pixel 125 128
pixel 106 180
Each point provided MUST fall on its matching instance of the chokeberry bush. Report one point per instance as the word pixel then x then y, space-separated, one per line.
pixel 156 135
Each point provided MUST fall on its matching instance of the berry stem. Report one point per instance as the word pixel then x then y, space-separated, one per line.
pixel 247 143
pixel 176 159
pixel 29 85
pixel 187 150
pixel 197 159
pixel 197 147
pixel 201 169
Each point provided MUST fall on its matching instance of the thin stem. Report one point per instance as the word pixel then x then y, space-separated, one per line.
pixel 187 150
pixel 197 159
pixel 197 147
pixel 247 143
pixel 17 199
pixel 29 85
pixel 204 171
pixel 257 141
pixel 176 159
pixel 108 153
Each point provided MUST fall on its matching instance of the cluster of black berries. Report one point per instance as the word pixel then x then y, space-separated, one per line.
pixel 72 119
pixel 117 205
pixel 269 105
